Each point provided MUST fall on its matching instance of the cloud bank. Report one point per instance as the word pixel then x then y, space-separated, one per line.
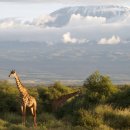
pixel 10 23
pixel 110 41
pixel 77 20
pixel 41 21
pixel 87 19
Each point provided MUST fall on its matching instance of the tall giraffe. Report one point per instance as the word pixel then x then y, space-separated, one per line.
pixel 27 100
pixel 61 100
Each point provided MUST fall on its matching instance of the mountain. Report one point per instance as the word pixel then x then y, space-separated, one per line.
pixel 111 13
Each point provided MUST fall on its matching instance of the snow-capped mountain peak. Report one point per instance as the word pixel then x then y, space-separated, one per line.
pixel 111 13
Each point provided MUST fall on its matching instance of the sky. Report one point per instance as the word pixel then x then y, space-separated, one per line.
pixel 26 22
pixel 33 8
pixel 26 10
pixel 22 20
pixel 21 17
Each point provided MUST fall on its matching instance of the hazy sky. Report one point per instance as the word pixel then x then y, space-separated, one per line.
pixel 24 21
pixel 33 8
pixel 26 10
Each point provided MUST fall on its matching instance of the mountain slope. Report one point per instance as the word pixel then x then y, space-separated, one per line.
pixel 111 13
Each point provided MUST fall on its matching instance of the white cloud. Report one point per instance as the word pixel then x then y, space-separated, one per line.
pixel 77 20
pixel 110 41
pixel 68 39
pixel 9 23
pixel 13 23
pixel 16 22
pixel 43 19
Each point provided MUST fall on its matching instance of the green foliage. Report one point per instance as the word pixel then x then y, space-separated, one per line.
pixel 114 118
pixel 17 127
pixel 121 99
pixel 117 121
pixel 3 124
pixel 86 119
pixel 88 111
pixel 99 87
pixel 48 94
pixel 9 98
pixel 11 117
pixel 70 107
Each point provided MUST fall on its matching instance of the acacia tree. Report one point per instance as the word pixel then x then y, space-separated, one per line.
pixel 99 87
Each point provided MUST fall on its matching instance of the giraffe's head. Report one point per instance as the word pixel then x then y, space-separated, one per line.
pixel 12 73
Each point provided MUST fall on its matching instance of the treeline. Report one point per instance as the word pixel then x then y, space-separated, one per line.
pixel 100 105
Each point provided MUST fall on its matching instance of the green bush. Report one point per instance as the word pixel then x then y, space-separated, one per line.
pixel 99 87
pixel 114 118
pixel 48 94
pixel 9 98
pixel 88 111
pixel 117 121
pixel 3 124
pixel 121 99
pixel 86 119
pixel 12 117
pixel 17 127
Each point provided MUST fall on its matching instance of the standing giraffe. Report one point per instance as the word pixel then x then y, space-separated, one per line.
pixel 27 100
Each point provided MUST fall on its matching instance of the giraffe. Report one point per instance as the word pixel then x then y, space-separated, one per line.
pixel 26 99
pixel 61 100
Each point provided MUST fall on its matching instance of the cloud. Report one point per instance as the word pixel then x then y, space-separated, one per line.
pixel 9 23
pixel 77 20
pixel 110 41
pixel 68 39
pixel 43 20
pixel 78 28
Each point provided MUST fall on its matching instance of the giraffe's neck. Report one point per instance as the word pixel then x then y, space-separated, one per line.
pixel 66 97
pixel 21 88
pixel 71 95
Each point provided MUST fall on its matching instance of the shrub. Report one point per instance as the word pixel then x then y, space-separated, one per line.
pixel 17 127
pixel 115 118
pixel 99 87
pixel 12 117
pixel 117 121
pixel 121 99
pixel 9 98
pixel 86 119
pixel 3 124
pixel 48 94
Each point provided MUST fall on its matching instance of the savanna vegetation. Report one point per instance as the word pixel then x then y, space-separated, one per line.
pixel 101 105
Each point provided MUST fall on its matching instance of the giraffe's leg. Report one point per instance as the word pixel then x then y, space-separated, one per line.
pixel 23 109
pixel 33 110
